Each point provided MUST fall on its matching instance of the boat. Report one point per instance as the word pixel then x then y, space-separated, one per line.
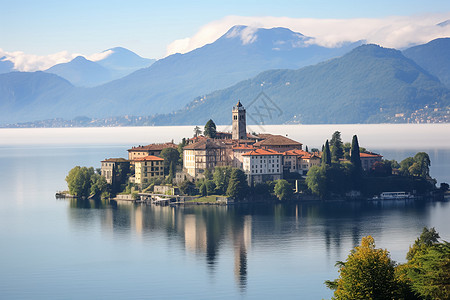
pixel 393 196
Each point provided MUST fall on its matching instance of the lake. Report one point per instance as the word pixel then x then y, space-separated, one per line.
pixel 69 249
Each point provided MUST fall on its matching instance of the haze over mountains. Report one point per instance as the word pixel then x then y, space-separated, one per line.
pixel 118 63
pixel 369 84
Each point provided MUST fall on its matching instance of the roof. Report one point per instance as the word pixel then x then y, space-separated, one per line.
pixel 153 147
pixel 115 160
pixel 239 104
pixel 276 140
pixel 149 158
pixel 296 153
pixel 369 155
pixel 203 144
pixel 243 147
pixel 261 152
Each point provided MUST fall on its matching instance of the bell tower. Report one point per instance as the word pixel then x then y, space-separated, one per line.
pixel 239 131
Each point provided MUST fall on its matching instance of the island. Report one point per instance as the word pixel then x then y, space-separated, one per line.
pixel 214 167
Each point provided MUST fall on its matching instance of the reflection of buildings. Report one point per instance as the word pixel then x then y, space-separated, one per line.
pixel 194 234
pixel 242 238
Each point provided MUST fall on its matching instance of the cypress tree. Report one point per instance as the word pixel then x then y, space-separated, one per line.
pixel 210 129
pixel 306 149
pixel 326 155
pixel 354 154
pixel 337 147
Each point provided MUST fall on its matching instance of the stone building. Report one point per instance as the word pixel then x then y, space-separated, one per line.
pixel 205 154
pixel 239 123
pixel 115 169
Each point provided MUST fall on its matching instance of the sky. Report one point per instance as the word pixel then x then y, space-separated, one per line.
pixel 38 34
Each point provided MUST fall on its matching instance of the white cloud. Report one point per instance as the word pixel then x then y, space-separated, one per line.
pixel 394 32
pixel 100 56
pixel 31 62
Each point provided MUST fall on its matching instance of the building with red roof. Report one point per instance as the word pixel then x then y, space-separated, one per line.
pixel 261 165
pixel 368 159
pixel 152 149
pixel 148 167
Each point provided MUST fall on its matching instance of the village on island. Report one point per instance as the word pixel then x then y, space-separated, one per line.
pixel 223 167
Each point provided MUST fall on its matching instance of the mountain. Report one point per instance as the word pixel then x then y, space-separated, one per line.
pixel 118 62
pixel 31 95
pixel 82 72
pixel 369 84
pixel 121 62
pixel 241 53
pixel 6 66
pixel 433 57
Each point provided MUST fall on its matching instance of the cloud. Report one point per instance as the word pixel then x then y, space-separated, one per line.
pixel 31 62
pixel 100 56
pixel 393 32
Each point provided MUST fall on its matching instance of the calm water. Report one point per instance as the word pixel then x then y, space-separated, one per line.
pixel 61 249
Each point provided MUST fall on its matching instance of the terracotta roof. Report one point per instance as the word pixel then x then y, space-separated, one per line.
pixel 276 140
pixel 149 158
pixel 157 147
pixel 262 152
pixel 115 160
pixel 243 147
pixel 368 155
pixel 204 144
pixel 296 152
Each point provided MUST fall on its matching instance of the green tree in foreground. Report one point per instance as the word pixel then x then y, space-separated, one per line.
pixel 368 273
pixel 283 190
pixel 237 187
pixel 210 129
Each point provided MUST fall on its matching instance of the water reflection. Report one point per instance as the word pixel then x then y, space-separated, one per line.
pixel 207 231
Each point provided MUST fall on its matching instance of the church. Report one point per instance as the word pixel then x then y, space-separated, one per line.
pixel 260 156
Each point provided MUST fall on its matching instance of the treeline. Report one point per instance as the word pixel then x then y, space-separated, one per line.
pixel 370 273
pixel 341 172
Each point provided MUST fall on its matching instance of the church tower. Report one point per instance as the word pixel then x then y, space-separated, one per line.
pixel 239 131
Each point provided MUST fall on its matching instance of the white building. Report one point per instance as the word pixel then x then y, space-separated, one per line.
pixel 262 165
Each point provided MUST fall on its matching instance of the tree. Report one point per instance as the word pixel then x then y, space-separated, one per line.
pixel 210 129
pixel 187 187
pixel 237 186
pixel 171 172
pixel 197 131
pixel 429 272
pixel 326 155
pixel 171 159
pixel 80 180
pixel 221 178
pixel 283 190
pixel 423 165
pixel 355 158
pixel 180 149
pixel 368 273
pixel 337 147
pixel 210 187
pixel 203 190
pixel 306 149
pixel 316 180
pixel 428 238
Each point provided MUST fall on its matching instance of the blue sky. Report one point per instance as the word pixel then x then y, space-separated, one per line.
pixel 148 27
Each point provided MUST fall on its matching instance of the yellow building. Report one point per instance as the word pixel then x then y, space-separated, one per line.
pixel 148 167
